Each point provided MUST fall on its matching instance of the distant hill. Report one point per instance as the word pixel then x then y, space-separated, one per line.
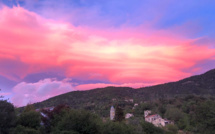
pixel 99 100
pixel 203 84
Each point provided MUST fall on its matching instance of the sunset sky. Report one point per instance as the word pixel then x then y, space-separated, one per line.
pixel 50 47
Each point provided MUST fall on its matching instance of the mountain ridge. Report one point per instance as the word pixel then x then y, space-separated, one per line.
pixel 102 98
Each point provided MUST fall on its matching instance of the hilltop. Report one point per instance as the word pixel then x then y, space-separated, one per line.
pixel 99 100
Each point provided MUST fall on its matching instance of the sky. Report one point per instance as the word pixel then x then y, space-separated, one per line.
pixel 50 47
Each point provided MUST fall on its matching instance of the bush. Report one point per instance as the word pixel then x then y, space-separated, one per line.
pixel 24 130
pixel 117 128
pixel 80 121
pixel 149 128
pixel 172 128
pixel 205 117
pixel 30 119
pixel 66 132
pixel 7 116
pixel 174 114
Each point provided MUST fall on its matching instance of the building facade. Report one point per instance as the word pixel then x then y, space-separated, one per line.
pixel 112 113
pixel 156 119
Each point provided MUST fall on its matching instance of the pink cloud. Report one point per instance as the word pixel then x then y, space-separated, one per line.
pixel 5 94
pixel 125 55
pixel 25 93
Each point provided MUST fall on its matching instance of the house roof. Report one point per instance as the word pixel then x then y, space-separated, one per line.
pixel 151 115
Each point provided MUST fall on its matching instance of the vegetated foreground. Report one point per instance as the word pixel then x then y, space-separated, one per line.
pixel 191 114
pixel 189 103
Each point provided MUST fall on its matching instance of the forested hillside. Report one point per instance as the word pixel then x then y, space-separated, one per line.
pixel 189 103
pixel 100 100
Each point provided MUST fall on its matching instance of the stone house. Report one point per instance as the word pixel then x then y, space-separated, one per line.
pixel 156 119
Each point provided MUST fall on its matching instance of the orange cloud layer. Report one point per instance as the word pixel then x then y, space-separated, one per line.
pixel 125 55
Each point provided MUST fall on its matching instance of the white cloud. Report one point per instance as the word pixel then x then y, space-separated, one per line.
pixel 25 93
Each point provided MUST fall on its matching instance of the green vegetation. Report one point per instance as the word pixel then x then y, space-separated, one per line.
pixel 62 120
pixel 119 114
pixel 149 128
pixel 7 116
pixel 100 100
pixel 189 103
pixel 191 114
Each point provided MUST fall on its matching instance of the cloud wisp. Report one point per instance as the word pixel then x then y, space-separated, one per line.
pixel 25 93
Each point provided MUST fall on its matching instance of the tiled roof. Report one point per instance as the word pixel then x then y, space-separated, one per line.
pixel 151 115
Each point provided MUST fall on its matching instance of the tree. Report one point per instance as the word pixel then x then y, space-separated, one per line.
pixel 52 117
pixel 119 114
pixel 172 128
pixel 7 116
pixel 184 123
pixel 29 108
pixel 24 130
pixel 162 109
pixel 66 132
pixel 80 121
pixel 30 119
pixel 205 117
pixel 117 128
pixel 149 128
pixel 139 110
pixel 174 114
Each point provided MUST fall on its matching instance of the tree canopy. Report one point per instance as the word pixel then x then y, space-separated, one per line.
pixel 7 116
